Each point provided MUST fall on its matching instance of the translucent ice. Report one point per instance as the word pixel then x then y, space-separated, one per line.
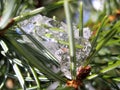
pixel 53 35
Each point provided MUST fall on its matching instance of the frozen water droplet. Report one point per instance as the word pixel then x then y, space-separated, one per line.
pixel 64 60
pixel 50 32
pixel 83 52
pixel 86 33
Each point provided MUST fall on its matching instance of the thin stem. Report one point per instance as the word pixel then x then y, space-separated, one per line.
pixel 94 42
pixel 101 43
pixel 4 25
pixel 19 74
pixel 31 13
pixel 34 60
pixel 81 20
pixel 71 39
pixel 109 10
pixel 106 69
pixel 5 75
pixel 39 10
pixel 41 47
pixel 7 13
pixel 36 77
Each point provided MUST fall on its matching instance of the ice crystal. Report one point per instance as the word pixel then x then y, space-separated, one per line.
pixel 53 35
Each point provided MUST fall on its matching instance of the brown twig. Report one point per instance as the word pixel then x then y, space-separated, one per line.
pixel 82 73
pixel 2 31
